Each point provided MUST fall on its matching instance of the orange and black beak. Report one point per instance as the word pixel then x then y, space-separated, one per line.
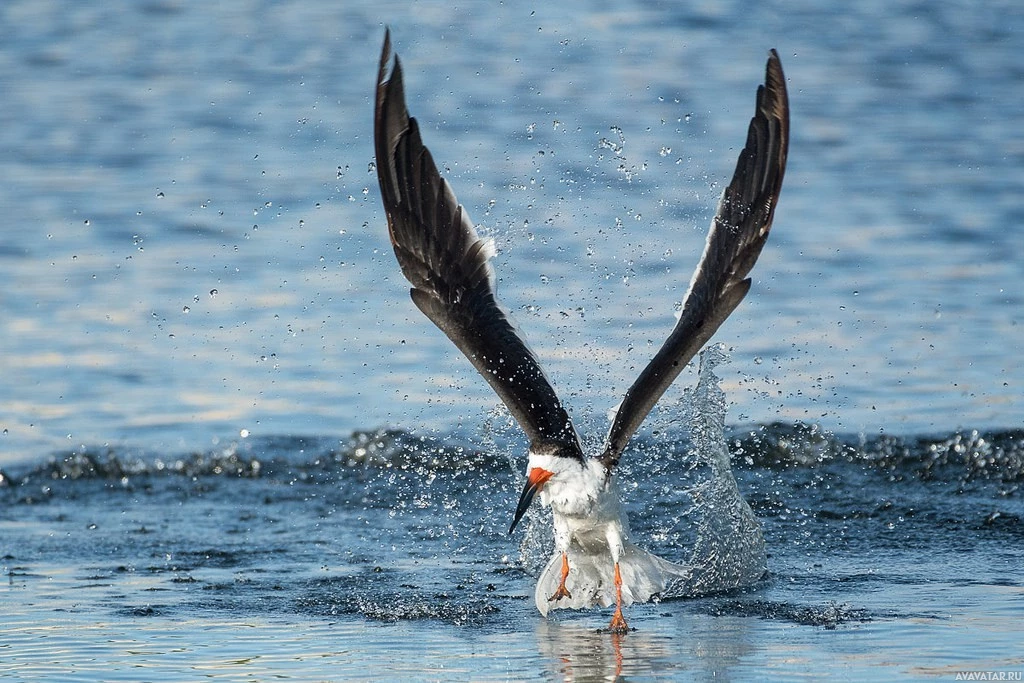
pixel 535 481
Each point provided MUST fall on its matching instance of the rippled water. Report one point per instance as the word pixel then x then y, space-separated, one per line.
pixel 232 448
pixel 304 558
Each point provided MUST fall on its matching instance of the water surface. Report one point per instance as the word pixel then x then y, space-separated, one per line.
pixel 198 279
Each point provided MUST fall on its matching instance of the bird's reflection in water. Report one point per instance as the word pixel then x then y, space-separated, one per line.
pixel 696 645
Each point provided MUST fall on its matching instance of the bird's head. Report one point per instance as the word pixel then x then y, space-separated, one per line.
pixel 536 477
pixel 553 469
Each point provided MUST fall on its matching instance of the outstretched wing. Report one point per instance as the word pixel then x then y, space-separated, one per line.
pixel 738 233
pixel 447 264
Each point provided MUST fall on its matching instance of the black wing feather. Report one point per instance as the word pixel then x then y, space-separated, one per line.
pixel 448 266
pixel 738 233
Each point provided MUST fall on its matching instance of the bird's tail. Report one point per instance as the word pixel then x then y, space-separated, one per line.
pixel 591 579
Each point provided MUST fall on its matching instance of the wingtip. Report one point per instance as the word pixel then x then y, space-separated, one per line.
pixel 386 55
pixel 773 97
pixel 774 61
pixel 774 77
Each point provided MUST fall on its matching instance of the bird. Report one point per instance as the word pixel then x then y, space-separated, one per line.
pixel 448 265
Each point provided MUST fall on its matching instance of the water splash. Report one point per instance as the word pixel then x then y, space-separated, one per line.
pixel 729 551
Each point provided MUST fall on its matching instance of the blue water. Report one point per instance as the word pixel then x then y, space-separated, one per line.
pixel 196 270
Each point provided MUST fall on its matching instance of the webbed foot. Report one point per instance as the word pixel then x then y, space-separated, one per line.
pixel 562 591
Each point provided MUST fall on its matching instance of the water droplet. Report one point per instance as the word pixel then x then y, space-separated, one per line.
pixel 214 292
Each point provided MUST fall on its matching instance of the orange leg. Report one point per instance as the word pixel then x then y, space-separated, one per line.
pixel 562 591
pixel 618 624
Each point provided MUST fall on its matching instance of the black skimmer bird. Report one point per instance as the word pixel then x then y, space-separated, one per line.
pixel 448 265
